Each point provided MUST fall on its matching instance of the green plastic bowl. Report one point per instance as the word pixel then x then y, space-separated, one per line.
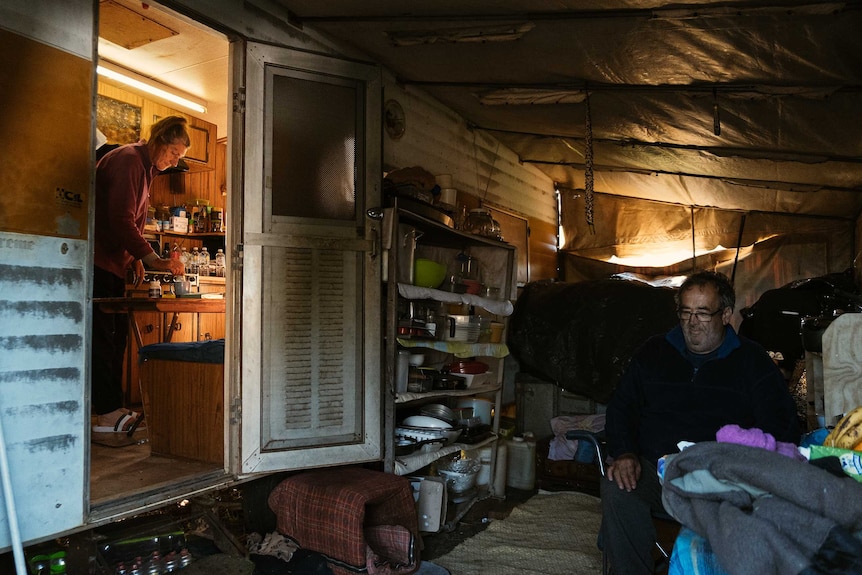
pixel 428 273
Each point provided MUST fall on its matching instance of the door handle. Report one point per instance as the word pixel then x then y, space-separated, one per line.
pixel 375 214
pixel 375 243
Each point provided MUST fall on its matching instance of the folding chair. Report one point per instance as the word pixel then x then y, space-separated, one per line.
pixel 666 526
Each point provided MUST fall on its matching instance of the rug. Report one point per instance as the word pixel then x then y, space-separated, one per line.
pixel 549 534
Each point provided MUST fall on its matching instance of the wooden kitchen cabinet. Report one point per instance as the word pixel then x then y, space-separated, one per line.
pixel 155 327
pixel 151 327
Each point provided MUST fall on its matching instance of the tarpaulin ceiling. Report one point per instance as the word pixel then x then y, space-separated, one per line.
pixel 748 105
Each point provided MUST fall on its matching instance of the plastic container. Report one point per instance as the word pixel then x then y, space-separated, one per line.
pixel 521 466
pixel 496 332
pixel 402 371
pixel 155 290
pixel 484 476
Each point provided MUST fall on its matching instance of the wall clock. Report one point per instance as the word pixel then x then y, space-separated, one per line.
pixel 393 119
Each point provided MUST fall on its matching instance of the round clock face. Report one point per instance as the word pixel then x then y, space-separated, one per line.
pixel 393 119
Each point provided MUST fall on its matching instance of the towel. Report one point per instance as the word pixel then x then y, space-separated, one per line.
pixel 756 438
pixel 498 307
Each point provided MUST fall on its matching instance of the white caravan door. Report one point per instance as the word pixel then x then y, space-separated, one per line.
pixel 310 273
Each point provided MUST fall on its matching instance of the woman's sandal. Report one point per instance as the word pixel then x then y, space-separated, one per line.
pixel 127 423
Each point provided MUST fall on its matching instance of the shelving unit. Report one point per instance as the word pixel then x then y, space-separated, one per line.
pixel 442 243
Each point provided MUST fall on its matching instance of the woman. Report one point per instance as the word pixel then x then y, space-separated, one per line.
pixel 123 178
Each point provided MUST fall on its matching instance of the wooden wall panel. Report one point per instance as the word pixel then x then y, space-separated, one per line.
pixel 184 188
pixel 45 139
pixel 543 251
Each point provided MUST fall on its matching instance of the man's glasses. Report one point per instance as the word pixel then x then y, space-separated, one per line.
pixel 701 316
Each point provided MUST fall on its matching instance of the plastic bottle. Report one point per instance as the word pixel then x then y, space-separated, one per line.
pixel 203 222
pixel 175 253
pixel 204 266
pixel 521 469
pixel 220 263
pixel 194 260
pixel 154 565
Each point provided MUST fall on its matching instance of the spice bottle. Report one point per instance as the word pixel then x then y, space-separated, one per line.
pixel 155 289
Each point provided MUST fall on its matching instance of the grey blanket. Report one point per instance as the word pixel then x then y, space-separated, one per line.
pixel 766 513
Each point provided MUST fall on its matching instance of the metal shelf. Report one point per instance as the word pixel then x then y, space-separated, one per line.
pixel 407 464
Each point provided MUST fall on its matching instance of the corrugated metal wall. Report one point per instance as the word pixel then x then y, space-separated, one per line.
pixel 43 330
pixel 439 140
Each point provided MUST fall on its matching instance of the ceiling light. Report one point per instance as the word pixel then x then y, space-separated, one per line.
pixel 149 86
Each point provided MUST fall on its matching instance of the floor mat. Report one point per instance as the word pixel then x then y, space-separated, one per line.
pixel 120 439
pixel 551 534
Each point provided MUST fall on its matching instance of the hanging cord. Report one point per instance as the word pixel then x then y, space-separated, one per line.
pixel 693 244
pixel 738 245
pixel 479 190
pixel 588 170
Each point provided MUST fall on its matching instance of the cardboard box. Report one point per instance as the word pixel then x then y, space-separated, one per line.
pixel 179 224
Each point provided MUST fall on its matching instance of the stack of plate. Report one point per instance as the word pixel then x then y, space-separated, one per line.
pixel 439 411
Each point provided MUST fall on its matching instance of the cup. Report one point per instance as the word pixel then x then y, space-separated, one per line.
pixel 496 332
pixel 182 287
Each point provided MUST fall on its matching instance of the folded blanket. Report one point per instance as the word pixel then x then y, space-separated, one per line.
pixel 766 513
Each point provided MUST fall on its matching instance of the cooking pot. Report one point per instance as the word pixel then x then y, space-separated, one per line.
pixel 448 381
pixel 481 407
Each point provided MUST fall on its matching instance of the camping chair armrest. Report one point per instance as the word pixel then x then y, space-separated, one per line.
pixel 594 439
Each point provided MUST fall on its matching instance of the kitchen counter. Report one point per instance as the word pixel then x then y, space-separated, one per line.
pixel 131 305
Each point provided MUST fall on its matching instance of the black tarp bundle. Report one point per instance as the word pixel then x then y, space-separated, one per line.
pixel 582 335
pixel 781 319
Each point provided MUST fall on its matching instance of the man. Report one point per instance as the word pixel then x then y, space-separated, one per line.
pixel 123 178
pixel 684 385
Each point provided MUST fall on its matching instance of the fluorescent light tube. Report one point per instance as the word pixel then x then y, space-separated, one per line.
pixel 147 86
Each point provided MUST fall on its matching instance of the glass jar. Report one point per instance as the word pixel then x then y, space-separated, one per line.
pixel 480 222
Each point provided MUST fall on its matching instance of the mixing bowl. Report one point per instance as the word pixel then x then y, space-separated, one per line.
pixel 428 273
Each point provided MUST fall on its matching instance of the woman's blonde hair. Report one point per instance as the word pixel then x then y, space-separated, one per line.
pixel 169 130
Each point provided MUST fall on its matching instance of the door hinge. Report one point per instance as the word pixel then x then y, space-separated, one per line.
pixel 236 411
pixel 237 257
pixel 239 100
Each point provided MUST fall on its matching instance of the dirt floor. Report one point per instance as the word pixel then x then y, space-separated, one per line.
pixel 225 518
